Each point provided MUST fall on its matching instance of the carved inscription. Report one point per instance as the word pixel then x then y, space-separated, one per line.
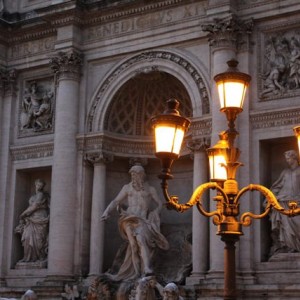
pixel 31 48
pixel 144 22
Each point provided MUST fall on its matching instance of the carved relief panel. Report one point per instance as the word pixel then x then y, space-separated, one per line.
pixel 280 65
pixel 37 101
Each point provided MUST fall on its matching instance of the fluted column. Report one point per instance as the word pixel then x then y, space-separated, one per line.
pixel 66 67
pixel 99 161
pixel 7 107
pixel 226 36
pixel 200 244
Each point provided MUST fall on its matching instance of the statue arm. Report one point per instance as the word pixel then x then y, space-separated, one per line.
pixel 114 203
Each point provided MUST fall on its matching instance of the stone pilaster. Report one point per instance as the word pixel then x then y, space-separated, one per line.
pixel 99 161
pixel 7 106
pixel 200 242
pixel 226 37
pixel 66 67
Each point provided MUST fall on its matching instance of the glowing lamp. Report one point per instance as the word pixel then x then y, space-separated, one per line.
pixel 232 86
pixel 169 129
pixel 217 156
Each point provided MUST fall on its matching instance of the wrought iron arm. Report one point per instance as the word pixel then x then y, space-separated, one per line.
pixel 172 201
pixel 271 202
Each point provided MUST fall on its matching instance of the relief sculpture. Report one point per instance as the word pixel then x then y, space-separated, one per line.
pixel 281 65
pixel 37 108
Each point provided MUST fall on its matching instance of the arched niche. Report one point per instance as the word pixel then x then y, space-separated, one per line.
pixel 160 61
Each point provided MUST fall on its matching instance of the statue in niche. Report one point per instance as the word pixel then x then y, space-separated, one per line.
pixel 285 231
pixel 34 226
pixel 37 109
pixel 139 226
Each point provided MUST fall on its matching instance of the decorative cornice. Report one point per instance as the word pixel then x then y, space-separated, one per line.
pixel 29 35
pixel 92 17
pixel 31 151
pixel 151 56
pixel 270 119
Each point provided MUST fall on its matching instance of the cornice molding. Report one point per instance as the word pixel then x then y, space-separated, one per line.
pixel 32 151
pixel 94 18
pixel 284 117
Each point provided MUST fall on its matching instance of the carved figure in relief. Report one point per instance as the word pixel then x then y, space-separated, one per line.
pixel 281 64
pixel 33 225
pixel 295 61
pixel 285 230
pixel 139 225
pixel 37 108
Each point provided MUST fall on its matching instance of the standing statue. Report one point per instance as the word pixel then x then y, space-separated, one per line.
pixel 34 225
pixel 138 225
pixel 285 230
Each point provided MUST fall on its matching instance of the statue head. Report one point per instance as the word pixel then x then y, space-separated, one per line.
pixel 137 169
pixel 291 156
pixel 171 292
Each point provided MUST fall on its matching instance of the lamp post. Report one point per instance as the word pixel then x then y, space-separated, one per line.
pixel 223 160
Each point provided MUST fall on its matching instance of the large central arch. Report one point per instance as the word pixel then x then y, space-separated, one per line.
pixel 173 63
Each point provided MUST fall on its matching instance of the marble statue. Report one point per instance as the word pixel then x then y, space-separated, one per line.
pixel 285 230
pixel 29 295
pixel 171 292
pixel 138 225
pixel 33 225
pixel 148 289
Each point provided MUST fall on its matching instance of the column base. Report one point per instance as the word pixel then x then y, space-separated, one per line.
pixel 195 278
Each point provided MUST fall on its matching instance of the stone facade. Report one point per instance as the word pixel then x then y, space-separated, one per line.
pixel 79 82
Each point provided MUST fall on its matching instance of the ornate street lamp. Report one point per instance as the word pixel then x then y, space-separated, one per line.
pixel 223 159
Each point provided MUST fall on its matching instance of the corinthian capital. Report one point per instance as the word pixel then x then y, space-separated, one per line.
pixel 199 144
pixel 67 64
pixel 228 32
pixel 98 157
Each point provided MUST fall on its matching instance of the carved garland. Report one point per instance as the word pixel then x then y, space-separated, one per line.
pixel 150 56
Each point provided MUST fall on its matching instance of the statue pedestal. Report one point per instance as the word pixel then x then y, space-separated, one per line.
pixel 283 268
pixel 31 265
pixel 285 257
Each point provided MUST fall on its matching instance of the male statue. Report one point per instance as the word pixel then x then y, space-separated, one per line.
pixel 138 225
